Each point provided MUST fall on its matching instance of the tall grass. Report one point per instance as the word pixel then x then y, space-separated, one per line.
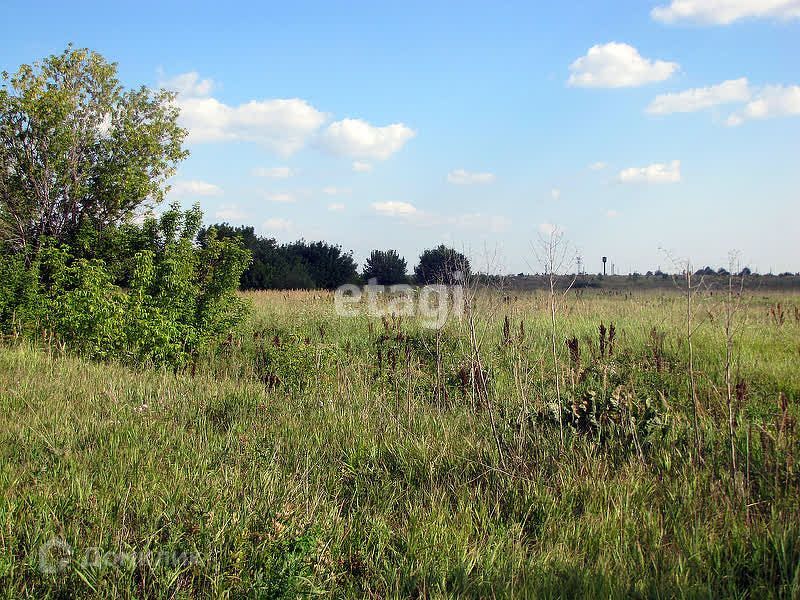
pixel 350 457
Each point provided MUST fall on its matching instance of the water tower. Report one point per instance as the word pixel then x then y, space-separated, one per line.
pixel 604 265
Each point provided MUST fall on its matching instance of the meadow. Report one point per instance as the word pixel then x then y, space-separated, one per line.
pixel 525 450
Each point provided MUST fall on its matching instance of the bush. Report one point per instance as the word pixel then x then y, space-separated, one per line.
pixel 180 296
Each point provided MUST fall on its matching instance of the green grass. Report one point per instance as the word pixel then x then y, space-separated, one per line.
pixel 310 465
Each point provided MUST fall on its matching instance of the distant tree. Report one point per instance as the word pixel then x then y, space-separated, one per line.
pixel 272 266
pixel 77 149
pixel 722 272
pixel 440 265
pixel 745 272
pixel 705 271
pixel 327 264
pixel 386 266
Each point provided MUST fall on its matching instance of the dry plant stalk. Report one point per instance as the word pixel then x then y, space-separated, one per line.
pixel 552 254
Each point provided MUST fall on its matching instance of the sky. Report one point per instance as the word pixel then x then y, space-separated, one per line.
pixel 648 131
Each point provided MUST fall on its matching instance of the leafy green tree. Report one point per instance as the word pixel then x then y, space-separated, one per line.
pixel 327 264
pixel 272 267
pixel 76 148
pixel 441 265
pixel 386 266
pixel 78 156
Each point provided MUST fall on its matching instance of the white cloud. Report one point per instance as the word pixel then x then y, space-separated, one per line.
pixel 361 167
pixel 655 173
pixel 598 166
pixel 188 85
pixel 555 194
pixel 282 197
pixel 615 65
pixel 195 187
pixel 334 191
pixel 771 101
pixel 727 92
pixel 724 12
pixel 359 139
pixel 336 207
pixel 273 172
pixel 281 125
pixel 230 212
pixel 276 224
pixel 394 209
pixel 611 213
pixel 462 177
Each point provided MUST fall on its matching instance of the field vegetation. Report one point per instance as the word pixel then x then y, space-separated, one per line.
pixel 323 455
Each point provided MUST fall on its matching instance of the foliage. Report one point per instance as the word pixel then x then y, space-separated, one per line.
pixel 180 296
pixel 77 149
pixel 385 266
pixel 327 264
pixel 440 265
pixel 350 477
pixel 299 265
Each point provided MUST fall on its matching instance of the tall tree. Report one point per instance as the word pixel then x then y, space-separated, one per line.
pixel 386 266
pixel 328 265
pixel 77 149
pixel 441 265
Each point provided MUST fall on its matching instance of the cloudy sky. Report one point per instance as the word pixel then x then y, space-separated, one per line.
pixel 636 126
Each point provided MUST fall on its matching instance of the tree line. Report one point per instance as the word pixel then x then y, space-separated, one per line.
pixel 322 265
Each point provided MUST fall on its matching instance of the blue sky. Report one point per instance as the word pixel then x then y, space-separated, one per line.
pixel 634 126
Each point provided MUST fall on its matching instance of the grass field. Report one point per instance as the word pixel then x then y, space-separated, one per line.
pixel 319 455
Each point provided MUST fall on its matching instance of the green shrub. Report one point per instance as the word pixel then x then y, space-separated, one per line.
pixel 180 297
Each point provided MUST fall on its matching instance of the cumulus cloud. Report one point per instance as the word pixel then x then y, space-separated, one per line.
pixel 230 212
pixel 282 197
pixel 189 85
pixel 273 172
pixel 394 209
pixel 195 187
pixel 598 166
pixel 335 191
pixel 696 99
pixel 555 194
pixel 655 173
pixel 616 65
pixel 281 125
pixel 462 177
pixel 770 101
pixel 358 139
pixel 361 166
pixel 725 12
pixel 336 207
pixel 277 224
